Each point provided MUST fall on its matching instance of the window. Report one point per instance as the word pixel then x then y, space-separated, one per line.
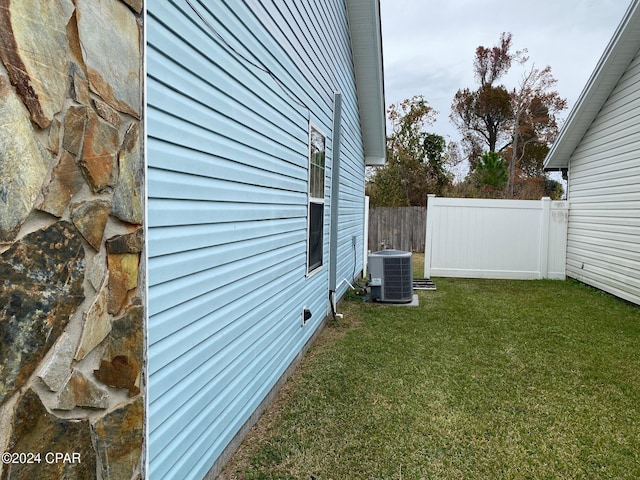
pixel 315 211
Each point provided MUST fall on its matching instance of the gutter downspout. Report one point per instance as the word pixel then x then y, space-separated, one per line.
pixel 336 129
pixel 335 189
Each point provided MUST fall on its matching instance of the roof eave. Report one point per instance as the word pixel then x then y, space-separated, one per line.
pixel 366 45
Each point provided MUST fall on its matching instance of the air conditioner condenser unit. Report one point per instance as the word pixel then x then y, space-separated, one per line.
pixel 391 276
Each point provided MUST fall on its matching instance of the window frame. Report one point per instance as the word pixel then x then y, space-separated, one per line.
pixel 316 184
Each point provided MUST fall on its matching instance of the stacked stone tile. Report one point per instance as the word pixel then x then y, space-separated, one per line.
pixel 71 237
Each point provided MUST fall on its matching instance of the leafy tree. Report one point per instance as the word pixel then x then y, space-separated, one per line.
pixel 435 147
pixel 553 189
pixel 535 124
pixel 416 159
pixel 491 171
pixel 483 115
pixel 518 123
pixel 492 63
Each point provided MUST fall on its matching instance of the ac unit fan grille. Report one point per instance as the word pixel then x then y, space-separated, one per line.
pixel 398 284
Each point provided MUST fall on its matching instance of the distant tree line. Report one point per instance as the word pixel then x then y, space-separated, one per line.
pixel 506 134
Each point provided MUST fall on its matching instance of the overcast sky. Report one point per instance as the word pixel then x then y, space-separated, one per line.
pixel 429 45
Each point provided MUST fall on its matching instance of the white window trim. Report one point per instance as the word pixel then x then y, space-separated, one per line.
pixel 315 200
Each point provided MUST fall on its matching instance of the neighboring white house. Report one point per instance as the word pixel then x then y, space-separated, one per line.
pixel 599 151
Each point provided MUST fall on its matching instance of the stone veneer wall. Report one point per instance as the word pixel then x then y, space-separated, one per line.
pixel 71 239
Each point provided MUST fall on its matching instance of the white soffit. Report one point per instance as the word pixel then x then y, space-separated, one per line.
pixel 366 45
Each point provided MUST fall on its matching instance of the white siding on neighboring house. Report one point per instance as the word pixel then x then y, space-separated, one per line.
pixel 227 224
pixel 599 145
pixel 603 246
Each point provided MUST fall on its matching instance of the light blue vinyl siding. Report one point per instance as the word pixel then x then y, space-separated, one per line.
pixel 227 150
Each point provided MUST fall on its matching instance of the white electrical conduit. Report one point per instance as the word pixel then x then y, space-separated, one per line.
pixel 333 298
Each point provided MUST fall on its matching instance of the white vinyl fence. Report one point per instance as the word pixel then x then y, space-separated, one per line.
pixel 482 238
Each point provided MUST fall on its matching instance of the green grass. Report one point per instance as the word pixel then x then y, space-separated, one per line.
pixel 484 380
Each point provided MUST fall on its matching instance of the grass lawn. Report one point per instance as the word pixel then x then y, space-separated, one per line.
pixel 486 379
